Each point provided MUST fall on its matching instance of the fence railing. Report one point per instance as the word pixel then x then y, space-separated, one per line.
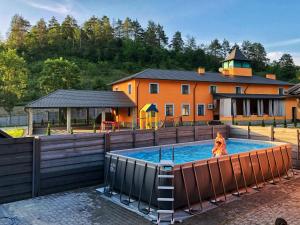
pixel 289 135
pixel 31 167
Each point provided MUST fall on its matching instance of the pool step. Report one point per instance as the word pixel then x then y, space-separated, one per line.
pixel 165 211
pixel 165 176
pixel 165 199
pixel 166 163
pixel 165 188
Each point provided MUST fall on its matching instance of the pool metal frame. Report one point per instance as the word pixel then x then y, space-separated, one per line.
pixel 232 174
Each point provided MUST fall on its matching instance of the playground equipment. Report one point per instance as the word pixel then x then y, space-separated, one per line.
pixel 146 117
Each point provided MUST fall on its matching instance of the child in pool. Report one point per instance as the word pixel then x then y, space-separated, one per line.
pixel 220 146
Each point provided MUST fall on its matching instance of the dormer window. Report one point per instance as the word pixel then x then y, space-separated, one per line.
pixel 238 90
pixel 281 91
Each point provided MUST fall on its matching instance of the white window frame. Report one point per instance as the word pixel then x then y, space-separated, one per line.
pixel 189 109
pixel 280 89
pixel 236 89
pixel 129 85
pixel 204 109
pixel 172 110
pixel 157 88
pixel 209 89
pixel 182 89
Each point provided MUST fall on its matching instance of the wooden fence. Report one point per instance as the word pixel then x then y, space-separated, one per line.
pixel 32 167
pixel 289 135
pixel 16 169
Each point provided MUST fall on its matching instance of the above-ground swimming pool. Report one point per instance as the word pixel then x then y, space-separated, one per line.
pixel 192 151
pixel 198 176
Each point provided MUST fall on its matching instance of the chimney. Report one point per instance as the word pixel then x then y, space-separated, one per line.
pixel 271 76
pixel 201 70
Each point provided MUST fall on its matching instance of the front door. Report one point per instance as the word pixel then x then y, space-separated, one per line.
pixel 294 114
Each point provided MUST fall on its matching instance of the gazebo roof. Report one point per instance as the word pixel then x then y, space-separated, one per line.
pixel 82 99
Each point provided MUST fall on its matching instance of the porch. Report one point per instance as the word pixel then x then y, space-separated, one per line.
pixel 249 107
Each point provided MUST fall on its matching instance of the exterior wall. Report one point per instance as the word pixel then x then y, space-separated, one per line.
pixel 170 93
pixel 237 71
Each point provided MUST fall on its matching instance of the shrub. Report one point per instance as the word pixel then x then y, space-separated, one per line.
pixel 48 129
pixel 94 127
pixel 284 123
pixel 274 122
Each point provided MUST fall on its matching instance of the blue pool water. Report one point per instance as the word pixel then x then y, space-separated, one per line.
pixel 192 152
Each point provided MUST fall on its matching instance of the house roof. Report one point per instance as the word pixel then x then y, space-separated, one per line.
pixel 248 96
pixel 179 75
pixel 295 90
pixel 82 99
pixel 236 54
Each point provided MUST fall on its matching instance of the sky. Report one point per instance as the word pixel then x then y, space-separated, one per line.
pixel 274 23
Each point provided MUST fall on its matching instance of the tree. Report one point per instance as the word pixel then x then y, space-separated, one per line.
pixel 13 79
pixel 215 48
pixel 19 28
pixel 287 67
pixel 256 53
pixel 58 74
pixel 177 43
pixel 225 48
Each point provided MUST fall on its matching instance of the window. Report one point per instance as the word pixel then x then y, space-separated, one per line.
pixel 238 90
pixel 185 110
pixel 153 88
pixel 212 89
pixel 185 89
pixel 169 110
pixel 129 88
pixel 281 91
pixel 200 109
pixel 116 88
pixel 129 111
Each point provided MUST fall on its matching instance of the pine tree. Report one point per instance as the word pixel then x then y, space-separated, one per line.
pixel 177 43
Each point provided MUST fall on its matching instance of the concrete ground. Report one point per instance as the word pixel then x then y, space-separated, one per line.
pixel 86 207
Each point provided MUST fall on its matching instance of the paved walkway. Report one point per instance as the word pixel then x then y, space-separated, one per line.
pixel 86 207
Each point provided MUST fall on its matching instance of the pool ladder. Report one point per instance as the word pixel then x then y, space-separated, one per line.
pixel 165 189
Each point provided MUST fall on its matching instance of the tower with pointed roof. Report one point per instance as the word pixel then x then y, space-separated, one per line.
pixel 236 64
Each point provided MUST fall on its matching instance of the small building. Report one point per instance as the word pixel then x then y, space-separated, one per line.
pixel 96 105
pixel 233 94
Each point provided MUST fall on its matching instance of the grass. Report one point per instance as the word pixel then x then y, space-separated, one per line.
pixel 15 132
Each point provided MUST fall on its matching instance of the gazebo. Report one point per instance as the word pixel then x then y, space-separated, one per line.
pixel 103 101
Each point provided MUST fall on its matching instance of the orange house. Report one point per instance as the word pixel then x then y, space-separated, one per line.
pixel 234 94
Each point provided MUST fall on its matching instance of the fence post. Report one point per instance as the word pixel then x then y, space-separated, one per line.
pixel 107 142
pixel 195 133
pixel 212 132
pixel 155 137
pixel 36 166
pixel 228 131
pixel 176 131
pixel 133 138
pixel 272 133
pixel 298 145
pixel 248 132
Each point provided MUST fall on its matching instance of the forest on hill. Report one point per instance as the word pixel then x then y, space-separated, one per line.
pixel 40 58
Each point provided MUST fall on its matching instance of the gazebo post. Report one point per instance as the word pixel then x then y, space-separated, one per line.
pixel 30 122
pixel 87 116
pixel 103 119
pixel 69 120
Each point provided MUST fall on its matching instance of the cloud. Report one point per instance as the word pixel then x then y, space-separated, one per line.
pixel 59 8
pixel 277 54
pixel 284 43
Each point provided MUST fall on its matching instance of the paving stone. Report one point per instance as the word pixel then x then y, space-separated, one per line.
pixel 86 207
